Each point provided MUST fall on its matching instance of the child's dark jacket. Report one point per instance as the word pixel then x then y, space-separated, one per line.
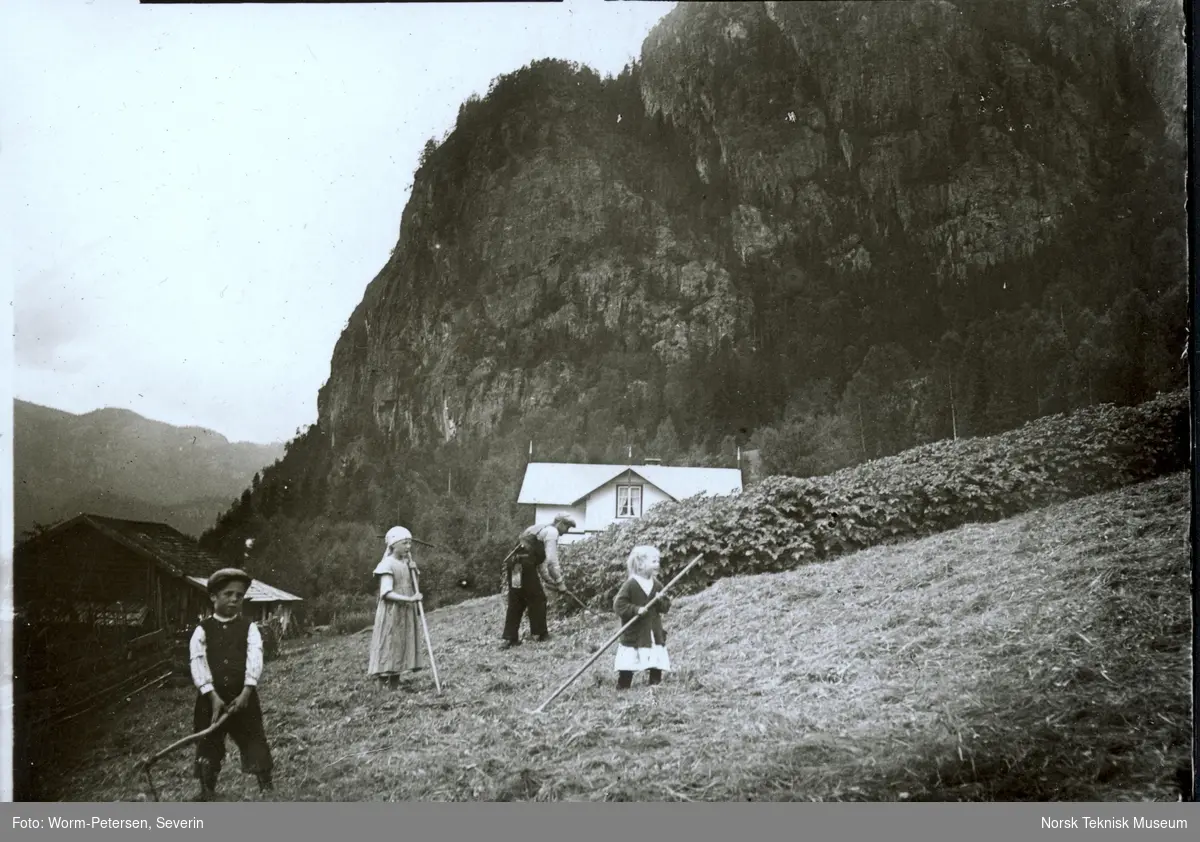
pixel 631 597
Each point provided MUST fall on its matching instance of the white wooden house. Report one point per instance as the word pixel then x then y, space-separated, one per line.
pixel 597 496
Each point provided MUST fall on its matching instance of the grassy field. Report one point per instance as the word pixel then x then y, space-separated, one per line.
pixel 1046 657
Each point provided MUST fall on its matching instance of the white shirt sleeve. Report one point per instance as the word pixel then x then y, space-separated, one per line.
pixel 549 538
pixel 254 656
pixel 198 651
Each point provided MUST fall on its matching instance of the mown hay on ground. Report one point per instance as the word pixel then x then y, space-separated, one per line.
pixel 1045 657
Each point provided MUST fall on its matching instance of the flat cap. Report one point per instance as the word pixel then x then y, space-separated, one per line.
pixel 226 575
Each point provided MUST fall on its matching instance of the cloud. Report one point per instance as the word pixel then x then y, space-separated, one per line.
pixel 49 325
pixel 52 318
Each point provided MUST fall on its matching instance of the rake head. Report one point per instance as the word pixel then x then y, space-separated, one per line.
pixel 142 768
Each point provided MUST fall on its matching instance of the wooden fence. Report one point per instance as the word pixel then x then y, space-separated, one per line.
pixel 55 685
pixel 64 689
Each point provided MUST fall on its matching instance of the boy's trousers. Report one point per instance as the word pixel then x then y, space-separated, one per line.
pixel 245 728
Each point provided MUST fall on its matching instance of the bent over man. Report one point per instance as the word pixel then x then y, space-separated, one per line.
pixel 535 558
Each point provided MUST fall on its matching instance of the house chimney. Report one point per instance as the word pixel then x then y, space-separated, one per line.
pixel 653 461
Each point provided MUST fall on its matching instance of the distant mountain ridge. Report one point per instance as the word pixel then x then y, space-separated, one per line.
pixel 115 462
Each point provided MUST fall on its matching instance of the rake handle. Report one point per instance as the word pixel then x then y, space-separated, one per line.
pixel 616 636
pixel 425 627
pixel 577 599
pixel 147 762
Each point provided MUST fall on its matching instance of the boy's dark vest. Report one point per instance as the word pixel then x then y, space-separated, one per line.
pixel 226 645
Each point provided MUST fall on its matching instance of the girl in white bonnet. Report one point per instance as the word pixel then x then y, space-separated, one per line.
pixel 643 645
pixel 396 641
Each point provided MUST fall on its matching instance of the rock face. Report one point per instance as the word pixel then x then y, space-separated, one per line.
pixel 966 133
pixel 513 275
pixel 775 190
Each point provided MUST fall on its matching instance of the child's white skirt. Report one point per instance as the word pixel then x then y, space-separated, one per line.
pixel 630 659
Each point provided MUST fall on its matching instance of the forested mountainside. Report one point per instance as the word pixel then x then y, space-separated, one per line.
pixel 114 462
pixel 830 231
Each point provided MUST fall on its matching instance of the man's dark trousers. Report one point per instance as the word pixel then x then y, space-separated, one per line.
pixel 530 596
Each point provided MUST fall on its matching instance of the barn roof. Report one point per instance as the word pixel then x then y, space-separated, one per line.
pixel 164 545
pixel 566 483
pixel 179 553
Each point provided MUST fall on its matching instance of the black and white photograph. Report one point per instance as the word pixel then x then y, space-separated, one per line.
pixel 599 401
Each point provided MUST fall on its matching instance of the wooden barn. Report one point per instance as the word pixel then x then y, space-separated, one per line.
pixel 102 607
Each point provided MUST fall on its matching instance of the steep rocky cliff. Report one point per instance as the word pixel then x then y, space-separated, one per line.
pixel 535 243
pixel 968 212
pixel 857 142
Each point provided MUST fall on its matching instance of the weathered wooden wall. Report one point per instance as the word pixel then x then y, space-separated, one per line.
pixel 82 639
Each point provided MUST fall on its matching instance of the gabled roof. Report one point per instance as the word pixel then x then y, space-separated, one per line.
pixel 161 544
pixel 257 592
pixel 566 483
pixel 181 554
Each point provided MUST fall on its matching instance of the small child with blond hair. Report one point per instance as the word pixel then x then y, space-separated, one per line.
pixel 643 645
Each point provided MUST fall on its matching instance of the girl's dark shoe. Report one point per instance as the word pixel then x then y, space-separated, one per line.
pixel 655 677
pixel 624 680
pixel 265 784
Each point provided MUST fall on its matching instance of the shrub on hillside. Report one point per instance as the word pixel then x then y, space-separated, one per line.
pixel 352 622
pixel 322 610
pixel 272 635
pixel 784 522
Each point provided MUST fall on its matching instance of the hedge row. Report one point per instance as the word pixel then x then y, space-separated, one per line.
pixel 784 522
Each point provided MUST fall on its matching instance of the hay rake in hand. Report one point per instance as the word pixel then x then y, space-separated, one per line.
pixel 615 637
pixel 146 763
pixel 425 627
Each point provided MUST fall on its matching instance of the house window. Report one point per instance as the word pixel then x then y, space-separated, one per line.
pixel 629 501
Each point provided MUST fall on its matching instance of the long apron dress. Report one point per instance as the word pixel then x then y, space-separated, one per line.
pixel 396 641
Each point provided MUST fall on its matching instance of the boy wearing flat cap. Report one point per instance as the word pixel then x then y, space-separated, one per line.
pixel 226 660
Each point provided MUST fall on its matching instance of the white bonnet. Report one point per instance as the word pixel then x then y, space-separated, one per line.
pixel 395 534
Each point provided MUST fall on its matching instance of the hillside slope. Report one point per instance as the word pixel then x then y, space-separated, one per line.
pixel 114 462
pixel 1045 657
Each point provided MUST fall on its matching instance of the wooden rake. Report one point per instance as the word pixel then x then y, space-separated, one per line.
pixel 425 627
pixel 146 763
pixel 540 708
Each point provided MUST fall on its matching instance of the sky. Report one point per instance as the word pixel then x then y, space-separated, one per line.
pixel 196 196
